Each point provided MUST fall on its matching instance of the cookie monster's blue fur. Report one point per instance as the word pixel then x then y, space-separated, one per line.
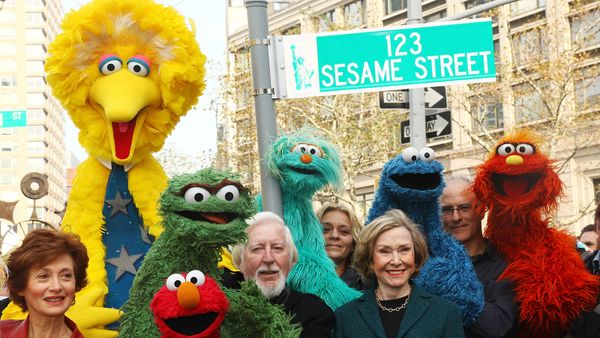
pixel 315 272
pixel 415 188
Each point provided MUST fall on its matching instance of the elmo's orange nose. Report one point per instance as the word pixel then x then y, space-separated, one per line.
pixel 514 160
pixel 306 158
pixel 188 295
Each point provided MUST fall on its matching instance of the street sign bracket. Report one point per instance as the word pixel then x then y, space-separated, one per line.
pixel 254 42
pixel 277 66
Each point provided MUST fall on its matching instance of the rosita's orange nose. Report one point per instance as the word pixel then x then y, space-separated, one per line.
pixel 188 295
pixel 306 158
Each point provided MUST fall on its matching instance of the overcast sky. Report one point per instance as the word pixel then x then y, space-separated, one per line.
pixel 197 130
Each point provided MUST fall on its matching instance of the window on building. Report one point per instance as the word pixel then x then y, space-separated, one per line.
pixel 35 51
pixel 35 114
pixel 354 14
pixel 279 5
pixel 7 179
pixel 35 99
pixel 7 163
pixel 8 131
pixel 34 18
pixel 8 146
pixel 529 46
pixel 8 49
pixel 242 60
pixel 8 81
pixel 529 105
pixel 34 66
pixel 8 98
pixel 36 130
pixel 585 30
pixel 35 82
pixel 487 113
pixel 587 88
pixel 524 6
pixel 395 5
pixel 36 147
pixel 435 16
pixel 295 29
pixel 7 17
pixel 34 34
pixel 35 3
pixel 8 33
pixel 596 183
pixel 8 65
pixel 327 21
pixel 36 163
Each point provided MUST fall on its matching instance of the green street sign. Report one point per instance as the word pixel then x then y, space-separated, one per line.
pixel 423 55
pixel 13 118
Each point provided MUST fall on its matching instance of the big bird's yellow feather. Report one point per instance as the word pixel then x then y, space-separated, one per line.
pixel 101 103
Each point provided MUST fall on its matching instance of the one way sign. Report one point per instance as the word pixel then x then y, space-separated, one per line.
pixel 435 98
pixel 437 124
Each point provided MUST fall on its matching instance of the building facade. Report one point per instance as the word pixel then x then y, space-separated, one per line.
pixel 26 28
pixel 547 55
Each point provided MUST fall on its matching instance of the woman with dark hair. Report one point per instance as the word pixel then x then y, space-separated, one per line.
pixel 45 272
pixel 392 250
pixel 340 231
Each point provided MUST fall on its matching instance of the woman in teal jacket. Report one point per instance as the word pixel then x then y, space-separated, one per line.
pixel 392 250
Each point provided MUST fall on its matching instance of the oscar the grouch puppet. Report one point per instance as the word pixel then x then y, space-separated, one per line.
pixel 202 212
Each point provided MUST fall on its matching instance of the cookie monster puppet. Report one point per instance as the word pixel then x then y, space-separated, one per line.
pixel 413 183
pixel 303 163
pixel 201 213
pixel 125 71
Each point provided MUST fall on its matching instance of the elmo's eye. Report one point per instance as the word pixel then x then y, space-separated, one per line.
pixel 229 193
pixel 174 281
pixel 427 154
pixel 525 149
pixel 138 67
pixel 195 277
pixel 314 150
pixel 300 148
pixel 196 194
pixel 110 65
pixel 505 149
pixel 410 155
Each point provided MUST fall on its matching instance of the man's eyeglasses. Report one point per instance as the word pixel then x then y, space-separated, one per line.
pixel 463 208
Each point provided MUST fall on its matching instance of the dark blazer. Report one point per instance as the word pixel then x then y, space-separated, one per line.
pixel 426 315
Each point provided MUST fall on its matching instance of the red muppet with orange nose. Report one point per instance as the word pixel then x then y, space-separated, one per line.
pixel 518 186
pixel 189 305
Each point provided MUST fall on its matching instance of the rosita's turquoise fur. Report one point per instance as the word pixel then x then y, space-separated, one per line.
pixel 415 188
pixel 315 272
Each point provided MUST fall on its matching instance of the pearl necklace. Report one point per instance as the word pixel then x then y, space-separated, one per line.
pixel 393 309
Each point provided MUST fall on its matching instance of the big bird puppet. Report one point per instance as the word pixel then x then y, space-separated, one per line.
pixel 125 71
pixel 518 186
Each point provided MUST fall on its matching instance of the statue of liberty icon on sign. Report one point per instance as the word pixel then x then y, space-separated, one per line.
pixel 302 74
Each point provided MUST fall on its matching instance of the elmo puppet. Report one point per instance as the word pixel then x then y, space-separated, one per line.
pixel 189 305
pixel 518 186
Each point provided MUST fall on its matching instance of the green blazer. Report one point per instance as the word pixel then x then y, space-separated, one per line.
pixel 426 316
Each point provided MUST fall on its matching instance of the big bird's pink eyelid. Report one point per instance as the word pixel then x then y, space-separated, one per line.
pixel 140 57
pixel 108 57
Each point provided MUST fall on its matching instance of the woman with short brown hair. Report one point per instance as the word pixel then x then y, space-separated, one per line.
pixel 45 272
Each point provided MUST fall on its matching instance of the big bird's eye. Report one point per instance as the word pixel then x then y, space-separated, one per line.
pixel 174 281
pixel 138 67
pixel 505 149
pixel 525 149
pixel 300 148
pixel 427 154
pixel 196 195
pixel 410 155
pixel 195 277
pixel 229 193
pixel 109 65
pixel 314 150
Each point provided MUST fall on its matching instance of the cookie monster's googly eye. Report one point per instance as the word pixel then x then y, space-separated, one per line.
pixel 427 154
pixel 525 149
pixel 196 195
pixel 229 193
pixel 314 150
pixel 410 155
pixel 110 64
pixel 195 277
pixel 300 148
pixel 138 67
pixel 174 281
pixel 505 149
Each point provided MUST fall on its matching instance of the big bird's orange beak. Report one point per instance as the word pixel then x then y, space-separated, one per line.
pixel 123 96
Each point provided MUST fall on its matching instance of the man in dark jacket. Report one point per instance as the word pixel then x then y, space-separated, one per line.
pixel 500 313
pixel 267 258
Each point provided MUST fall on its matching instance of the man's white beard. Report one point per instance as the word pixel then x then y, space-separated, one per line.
pixel 270 291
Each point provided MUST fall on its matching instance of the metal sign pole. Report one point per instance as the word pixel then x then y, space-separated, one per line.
pixel 416 96
pixel 264 107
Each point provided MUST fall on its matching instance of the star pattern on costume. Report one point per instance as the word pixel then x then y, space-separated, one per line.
pixel 144 235
pixel 118 204
pixel 124 263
